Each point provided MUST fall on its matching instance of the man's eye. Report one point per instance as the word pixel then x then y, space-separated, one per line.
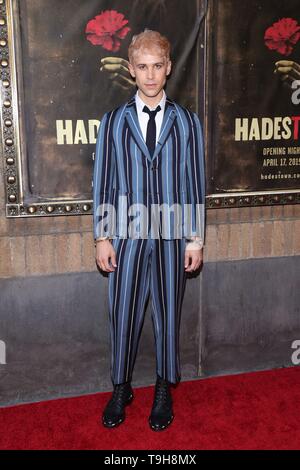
pixel 158 66
pixel 141 67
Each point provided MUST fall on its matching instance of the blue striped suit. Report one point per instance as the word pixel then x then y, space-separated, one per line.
pixel 126 177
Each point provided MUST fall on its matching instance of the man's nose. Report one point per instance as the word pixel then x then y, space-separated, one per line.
pixel 150 73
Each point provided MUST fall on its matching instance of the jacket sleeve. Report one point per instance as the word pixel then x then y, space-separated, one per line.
pixel 196 179
pixel 103 177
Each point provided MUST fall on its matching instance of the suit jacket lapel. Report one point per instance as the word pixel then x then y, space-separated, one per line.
pixel 133 122
pixel 168 120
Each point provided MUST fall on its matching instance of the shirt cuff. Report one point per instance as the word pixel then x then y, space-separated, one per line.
pixel 194 243
pixel 100 239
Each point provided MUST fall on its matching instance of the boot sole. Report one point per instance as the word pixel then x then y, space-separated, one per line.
pixel 114 425
pixel 157 429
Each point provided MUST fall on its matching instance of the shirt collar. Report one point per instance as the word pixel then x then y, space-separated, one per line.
pixel 140 103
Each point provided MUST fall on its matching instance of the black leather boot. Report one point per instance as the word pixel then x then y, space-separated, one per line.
pixel 161 413
pixel 114 412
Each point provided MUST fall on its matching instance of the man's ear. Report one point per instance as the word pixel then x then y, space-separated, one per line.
pixel 131 70
pixel 169 67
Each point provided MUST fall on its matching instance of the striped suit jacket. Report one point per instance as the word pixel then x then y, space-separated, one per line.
pixel 134 192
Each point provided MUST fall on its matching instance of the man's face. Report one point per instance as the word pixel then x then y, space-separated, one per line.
pixel 150 69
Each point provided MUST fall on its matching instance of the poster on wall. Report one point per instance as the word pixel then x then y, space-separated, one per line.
pixel 254 102
pixel 64 64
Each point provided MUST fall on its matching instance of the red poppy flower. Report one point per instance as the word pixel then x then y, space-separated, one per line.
pixel 107 29
pixel 282 36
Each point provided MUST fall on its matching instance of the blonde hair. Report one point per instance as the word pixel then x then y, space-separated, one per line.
pixel 149 40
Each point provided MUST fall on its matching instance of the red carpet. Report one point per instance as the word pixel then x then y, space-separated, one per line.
pixel 258 410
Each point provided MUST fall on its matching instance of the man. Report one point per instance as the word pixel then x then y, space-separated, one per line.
pixel 149 165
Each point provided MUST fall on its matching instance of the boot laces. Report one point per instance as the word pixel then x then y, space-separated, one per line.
pixel 119 393
pixel 162 392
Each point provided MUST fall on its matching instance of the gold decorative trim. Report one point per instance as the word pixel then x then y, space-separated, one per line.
pixel 221 201
pixel 9 149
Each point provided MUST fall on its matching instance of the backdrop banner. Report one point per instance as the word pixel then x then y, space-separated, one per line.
pixel 71 58
pixel 61 72
pixel 254 113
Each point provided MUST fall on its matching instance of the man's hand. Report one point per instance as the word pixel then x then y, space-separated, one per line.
pixel 118 71
pixel 287 70
pixel 105 252
pixel 193 259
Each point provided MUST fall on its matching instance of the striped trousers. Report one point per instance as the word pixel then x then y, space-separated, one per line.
pixel 146 266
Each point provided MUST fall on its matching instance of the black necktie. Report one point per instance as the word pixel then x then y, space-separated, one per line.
pixel 151 128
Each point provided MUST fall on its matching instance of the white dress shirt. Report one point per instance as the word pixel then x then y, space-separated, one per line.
pixel 144 117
